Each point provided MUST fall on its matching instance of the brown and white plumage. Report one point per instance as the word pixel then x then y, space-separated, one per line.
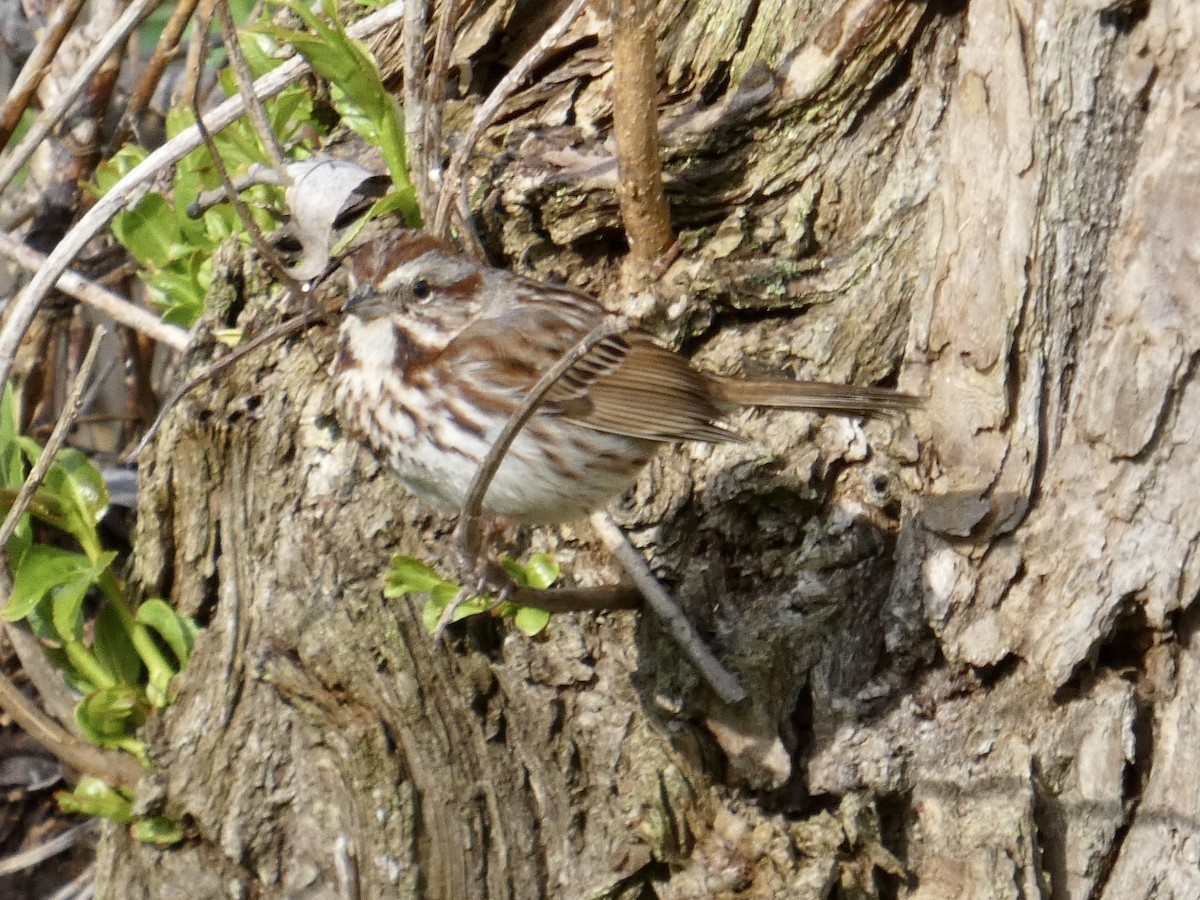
pixel 436 352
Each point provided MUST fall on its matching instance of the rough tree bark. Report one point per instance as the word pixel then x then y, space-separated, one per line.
pixel 972 644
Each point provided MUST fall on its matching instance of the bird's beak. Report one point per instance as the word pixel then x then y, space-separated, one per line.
pixel 365 303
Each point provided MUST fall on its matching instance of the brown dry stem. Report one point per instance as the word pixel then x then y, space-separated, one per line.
pixel 36 67
pixel 644 210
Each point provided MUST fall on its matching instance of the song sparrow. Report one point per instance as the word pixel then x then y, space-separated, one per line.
pixel 436 351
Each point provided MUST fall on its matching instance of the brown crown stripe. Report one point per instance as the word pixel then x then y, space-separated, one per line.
pixel 385 254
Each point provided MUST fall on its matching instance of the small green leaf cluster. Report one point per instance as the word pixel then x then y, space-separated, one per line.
pixel 92 797
pixel 120 657
pixel 411 576
pixel 175 250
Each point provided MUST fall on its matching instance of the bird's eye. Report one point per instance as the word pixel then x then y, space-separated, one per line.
pixel 421 289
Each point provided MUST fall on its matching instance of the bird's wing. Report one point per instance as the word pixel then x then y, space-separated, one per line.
pixel 627 384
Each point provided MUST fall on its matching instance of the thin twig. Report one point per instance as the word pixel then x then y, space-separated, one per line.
pixel 246 92
pixel 487 111
pixel 100 299
pixel 25 859
pixel 435 99
pixel 193 68
pixel 416 20
pixel 112 766
pixel 53 693
pixel 644 208
pixel 137 183
pixel 17 216
pixel 722 681
pixel 81 887
pixel 255 175
pixel 70 413
pixel 36 67
pixel 112 39
pixel 245 86
pixel 164 52
pixel 560 600
pixel 468 526
pixel 281 330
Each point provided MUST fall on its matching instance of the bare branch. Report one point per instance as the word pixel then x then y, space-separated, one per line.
pixel 26 859
pixel 635 127
pixel 245 86
pixel 164 52
pixel 416 19
pixel 561 600
pixel 36 67
pixel 681 630
pixel 456 170
pixel 54 695
pixel 435 99
pixel 258 117
pixel 282 330
pixel 194 65
pixel 61 428
pixel 113 38
pixel 255 175
pixel 112 766
pixel 100 299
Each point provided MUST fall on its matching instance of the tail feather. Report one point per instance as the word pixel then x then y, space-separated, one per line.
pixel 815 396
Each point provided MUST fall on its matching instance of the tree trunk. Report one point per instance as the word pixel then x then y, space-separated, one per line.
pixel 969 642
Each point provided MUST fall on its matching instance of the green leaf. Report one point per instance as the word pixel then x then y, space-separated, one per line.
pixel 292 108
pixel 158 830
pixel 530 620
pixel 150 231
pixel 117 166
pixel 431 613
pixel 20 542
pixel 66 601
pixel 178 632
pixel 109 716
pixel 383 206
pixel 12 468
pixel 76 492
pixel 261 53
pixel 357 90
pixel 114 648
pixel 444 593
pixel 179 119
pixel 541 571
pixel 82 483
pixel 472 607
pixel 181 286
pixel 42 570
pixel 409 576
pixel 92 797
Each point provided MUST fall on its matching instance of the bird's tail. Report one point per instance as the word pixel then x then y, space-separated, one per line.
pixel 815 396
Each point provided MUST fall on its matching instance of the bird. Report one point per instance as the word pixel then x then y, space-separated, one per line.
pixel 437 350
